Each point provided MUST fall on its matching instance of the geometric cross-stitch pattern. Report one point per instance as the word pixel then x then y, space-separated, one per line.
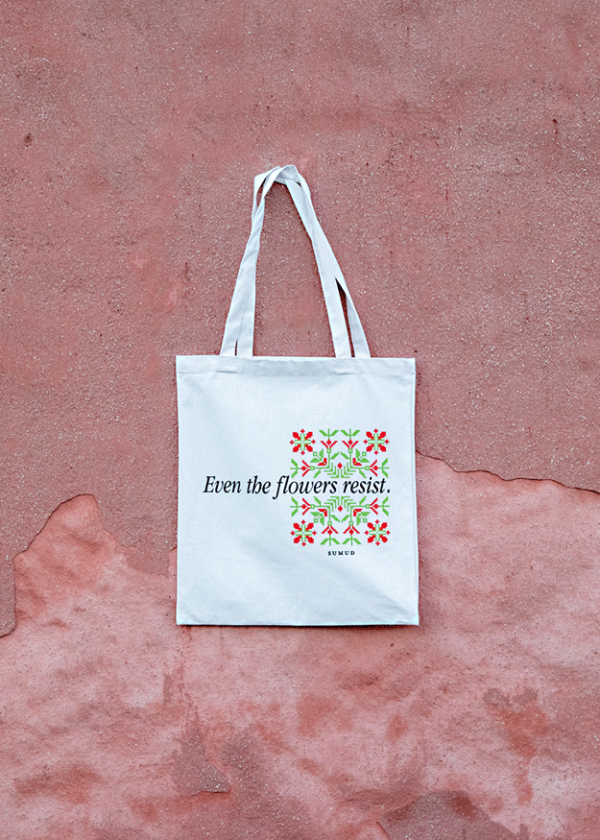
pixel 353 477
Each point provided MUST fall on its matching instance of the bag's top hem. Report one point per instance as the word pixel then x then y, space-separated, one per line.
pixel 291 364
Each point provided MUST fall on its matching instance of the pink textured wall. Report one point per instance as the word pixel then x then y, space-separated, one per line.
pixel 453 152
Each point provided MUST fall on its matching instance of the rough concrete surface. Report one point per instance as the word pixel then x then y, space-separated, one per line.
pixel 453 151
pixel 480 724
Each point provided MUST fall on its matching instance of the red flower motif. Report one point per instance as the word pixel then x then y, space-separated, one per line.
pixel 376 441
pixel 302 441
pixel 376 532
pixel 302 533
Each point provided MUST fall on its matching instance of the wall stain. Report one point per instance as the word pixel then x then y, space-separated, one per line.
pixel 192 772
pixel 449 814
pixel 524 724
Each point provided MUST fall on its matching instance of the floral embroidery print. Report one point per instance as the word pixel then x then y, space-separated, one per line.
pixel 353 480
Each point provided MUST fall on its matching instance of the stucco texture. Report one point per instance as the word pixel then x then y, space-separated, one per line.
pixel 452 148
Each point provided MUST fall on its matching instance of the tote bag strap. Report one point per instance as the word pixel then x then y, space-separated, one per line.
pixel 239 329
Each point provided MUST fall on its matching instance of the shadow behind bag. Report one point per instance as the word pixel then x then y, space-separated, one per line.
pixel 296 475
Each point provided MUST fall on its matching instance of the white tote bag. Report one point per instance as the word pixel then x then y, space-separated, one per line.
pixel 296 475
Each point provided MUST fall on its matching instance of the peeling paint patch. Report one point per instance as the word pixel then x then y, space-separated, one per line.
pixel 508 478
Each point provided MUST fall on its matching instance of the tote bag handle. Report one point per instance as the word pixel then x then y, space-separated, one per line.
pixel 239 329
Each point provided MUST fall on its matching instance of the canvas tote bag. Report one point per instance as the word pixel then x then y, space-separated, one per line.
pixel 296 475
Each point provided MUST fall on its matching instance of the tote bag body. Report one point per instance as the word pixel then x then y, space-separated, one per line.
pixel 296 475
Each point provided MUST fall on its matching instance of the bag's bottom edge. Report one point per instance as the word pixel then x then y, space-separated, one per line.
pixel 299 625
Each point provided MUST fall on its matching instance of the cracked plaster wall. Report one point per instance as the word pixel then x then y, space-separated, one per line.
pixel 453 153
pixel 482 721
